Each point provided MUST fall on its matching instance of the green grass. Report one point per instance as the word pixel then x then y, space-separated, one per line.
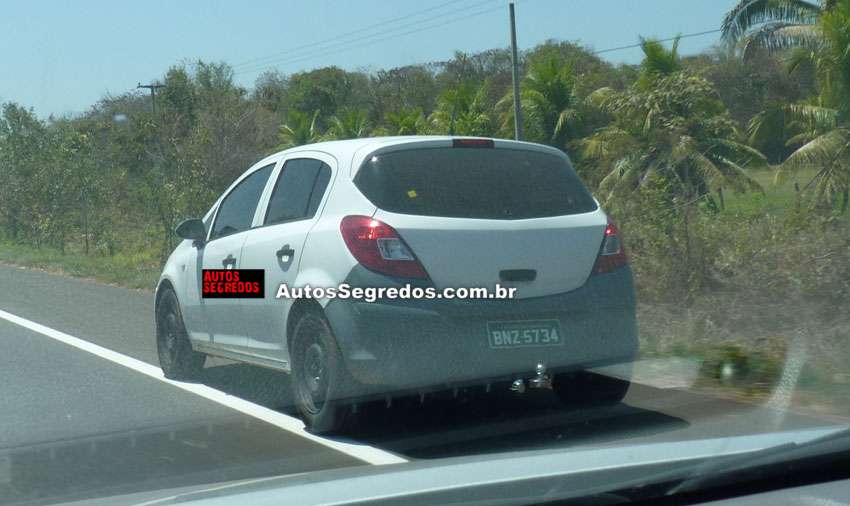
pixel 138 270
pixel 776 199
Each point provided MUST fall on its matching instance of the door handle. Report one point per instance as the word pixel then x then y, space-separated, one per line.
pixel 285 251
pixel 230 260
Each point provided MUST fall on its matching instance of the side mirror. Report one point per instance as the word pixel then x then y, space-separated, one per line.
pixel 193 229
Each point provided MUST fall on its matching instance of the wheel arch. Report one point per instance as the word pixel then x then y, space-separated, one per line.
pixel 164 285
pixel 299 307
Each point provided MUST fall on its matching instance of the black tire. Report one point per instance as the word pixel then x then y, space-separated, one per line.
pixel 579 388
pixel 176 357
pixel 318 375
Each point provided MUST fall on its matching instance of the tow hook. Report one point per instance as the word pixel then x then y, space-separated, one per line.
pixel 541 379
pixel 518 386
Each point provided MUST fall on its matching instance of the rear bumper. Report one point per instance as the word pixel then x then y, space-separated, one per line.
pixel 394 345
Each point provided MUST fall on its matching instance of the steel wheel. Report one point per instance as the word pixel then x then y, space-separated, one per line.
pixel 317 374
pixel 176 357
pixel 313 390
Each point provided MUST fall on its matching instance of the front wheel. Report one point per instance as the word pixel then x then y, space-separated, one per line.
pixel 176 356
pixel 318 375
pixel 586 387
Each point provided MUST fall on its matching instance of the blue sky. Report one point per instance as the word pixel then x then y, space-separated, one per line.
pixel 61 56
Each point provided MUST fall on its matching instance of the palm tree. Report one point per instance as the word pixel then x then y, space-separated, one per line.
pixel 462 111
pixel 299 129
pixel 658 61
pixel 550 105
pixel 820 129
pixel 774 24
pixel 668 127
pixel 350 124
pixel 406 121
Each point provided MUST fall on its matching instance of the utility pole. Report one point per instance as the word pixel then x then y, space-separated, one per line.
pixel 153 87
pixel 515 75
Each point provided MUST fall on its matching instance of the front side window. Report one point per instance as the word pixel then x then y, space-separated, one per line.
pixel 237 209
pixel 298 191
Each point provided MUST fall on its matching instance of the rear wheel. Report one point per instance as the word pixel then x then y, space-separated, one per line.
pixel 176 356
pixel 586 387
pixel 318 374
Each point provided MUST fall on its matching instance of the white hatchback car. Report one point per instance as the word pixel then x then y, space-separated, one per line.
pixel 438 212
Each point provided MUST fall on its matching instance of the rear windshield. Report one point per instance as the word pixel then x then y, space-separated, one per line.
pixel 502 184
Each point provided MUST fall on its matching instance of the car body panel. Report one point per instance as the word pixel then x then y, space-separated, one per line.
pixel 397 345
pixel 183 271
pixel 265 319
pixel 459 252
pixel 221 318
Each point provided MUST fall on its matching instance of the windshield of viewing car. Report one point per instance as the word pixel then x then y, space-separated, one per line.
pixel 663 258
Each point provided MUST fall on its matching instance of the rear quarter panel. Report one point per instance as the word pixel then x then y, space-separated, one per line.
pixel 326 260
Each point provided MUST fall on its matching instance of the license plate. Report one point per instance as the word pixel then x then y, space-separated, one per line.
pixel 521 334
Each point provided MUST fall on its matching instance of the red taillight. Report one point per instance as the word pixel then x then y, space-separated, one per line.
pixel 378 247
pixel 473 143
pixel 612 254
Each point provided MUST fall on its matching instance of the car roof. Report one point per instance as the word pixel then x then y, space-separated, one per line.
pixel 347 148
pixel 350 152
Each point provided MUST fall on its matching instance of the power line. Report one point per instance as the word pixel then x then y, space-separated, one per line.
pixel 325 51
pixel 685 36
pixel 344 39
pixel 346 45
pixel 343 35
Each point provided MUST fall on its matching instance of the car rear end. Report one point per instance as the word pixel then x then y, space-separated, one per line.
pixel 464 213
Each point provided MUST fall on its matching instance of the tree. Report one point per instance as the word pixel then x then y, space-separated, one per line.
pixel 410 87
pixel 668 126
pixel 658 62
pixel 405 121
pixel 551 108
pixel 774 24
pixel 270 92
pixel 23 141
pixel 591 71
pixel 493 66
pixel 463 111
pixel 670 146
pixel 748 88
pixel 676 131
pixel 820 36
pixel 180 99
pixel 328 90
pixel 299 129
pixel 349 124
pixel 64 188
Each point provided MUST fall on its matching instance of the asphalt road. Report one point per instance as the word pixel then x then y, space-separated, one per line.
pixel 75 424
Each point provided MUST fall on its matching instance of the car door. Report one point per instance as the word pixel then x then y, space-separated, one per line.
pixel 222 319
pixel 190 300
pixel 276 246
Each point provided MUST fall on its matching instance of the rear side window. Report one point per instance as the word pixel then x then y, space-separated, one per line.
pixel 502 184
pixel 237 209
pixel 298 191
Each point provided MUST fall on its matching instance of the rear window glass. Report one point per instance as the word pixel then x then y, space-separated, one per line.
pixel 504 184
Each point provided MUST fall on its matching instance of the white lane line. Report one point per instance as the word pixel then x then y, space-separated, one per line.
pixel 366 453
